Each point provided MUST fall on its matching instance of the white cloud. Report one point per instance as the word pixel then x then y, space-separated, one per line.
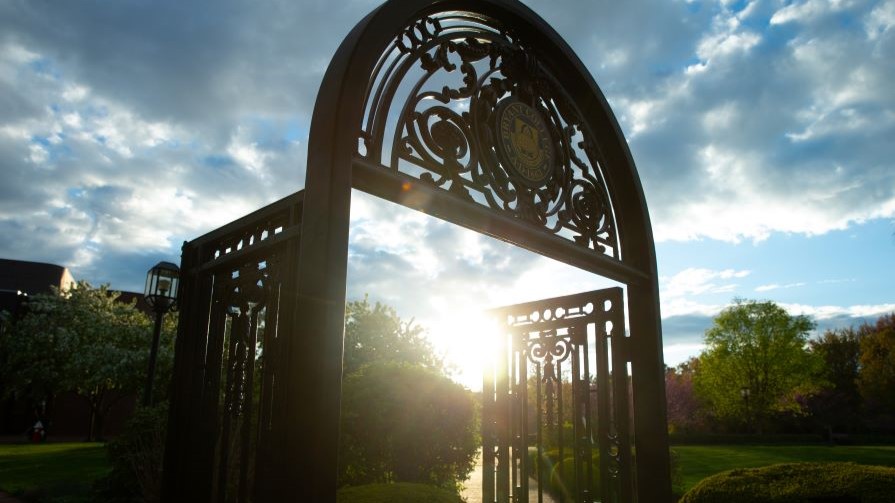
pixel 831 311
pixel 775 286
pixel 880 20
pixel 676 291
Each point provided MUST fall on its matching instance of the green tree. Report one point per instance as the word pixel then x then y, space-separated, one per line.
pixel 82 340
pixel 756 346
pixel 877 378
pixel 404 423
pixel 375 333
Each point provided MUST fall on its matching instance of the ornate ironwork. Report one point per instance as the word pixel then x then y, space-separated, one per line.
pixel 463 104
pixel 228 374
pixel 560 365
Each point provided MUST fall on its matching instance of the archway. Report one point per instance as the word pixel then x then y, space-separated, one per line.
pixel 477 112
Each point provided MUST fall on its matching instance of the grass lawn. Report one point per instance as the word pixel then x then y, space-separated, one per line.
pixel 698 462
pixel 57 473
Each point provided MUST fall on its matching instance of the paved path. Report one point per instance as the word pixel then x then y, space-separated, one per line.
pixel 472 491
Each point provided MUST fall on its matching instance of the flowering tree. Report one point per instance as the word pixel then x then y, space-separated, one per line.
pixel 81 340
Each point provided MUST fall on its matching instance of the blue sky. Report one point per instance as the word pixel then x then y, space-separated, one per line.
pixel 763 132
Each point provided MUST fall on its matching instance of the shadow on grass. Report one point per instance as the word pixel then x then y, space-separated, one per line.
pixel 52 473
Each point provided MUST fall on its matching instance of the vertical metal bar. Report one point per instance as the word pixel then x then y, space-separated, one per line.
pixel 488 428
pixel 540 461
pixel 603 412
pixel 620 399
pixel 523 369
pixel 229 409
pixel 588 418
pixel 183 474
pixel 514 419
pixel 502 416
pixel 245 450
pixel 177 452
pixel 653 477
pixel 576 414
pixel 268 371
pixel 211 395
pixel 559 425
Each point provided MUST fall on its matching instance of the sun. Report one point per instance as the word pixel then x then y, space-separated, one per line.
pixel 466 339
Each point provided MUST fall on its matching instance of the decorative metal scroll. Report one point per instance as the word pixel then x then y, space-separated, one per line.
pixel 463 104
pixel 235 284
pixel 556 403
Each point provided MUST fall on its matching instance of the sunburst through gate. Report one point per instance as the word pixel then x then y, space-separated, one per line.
pixel 556 402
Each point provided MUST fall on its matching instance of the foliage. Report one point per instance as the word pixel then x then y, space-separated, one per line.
pixel 797 482
pixel 51 473
pixel 877 379
pixel 837 404
pixel 559 476
pixel 82 340
pixel 759 346
pixel 375 333
pixel 686 412
pixel 700 461
pixel 403 423
pixel 136 458
pixel 401 492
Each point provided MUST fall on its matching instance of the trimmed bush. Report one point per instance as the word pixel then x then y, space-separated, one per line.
pixel 797 482
pixel 560 476
pixel 401 492
pixel 402 423
pixel 136 459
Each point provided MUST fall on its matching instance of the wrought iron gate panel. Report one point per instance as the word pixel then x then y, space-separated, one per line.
pixel 559 380
pixel 236 286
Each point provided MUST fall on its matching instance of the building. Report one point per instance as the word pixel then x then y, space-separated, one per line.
pixel 20 279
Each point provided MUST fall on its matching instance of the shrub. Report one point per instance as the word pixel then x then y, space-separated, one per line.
pixel 403 423
pixel 559 476
pixel 402 492
pixel 136 458
pixel 797 482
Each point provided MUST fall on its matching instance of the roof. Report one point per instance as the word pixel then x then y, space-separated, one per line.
pixel 31 277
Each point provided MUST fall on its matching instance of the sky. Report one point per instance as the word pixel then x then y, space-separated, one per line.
pixel 763 132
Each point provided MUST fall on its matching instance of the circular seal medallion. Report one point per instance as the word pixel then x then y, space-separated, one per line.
pixel 523 142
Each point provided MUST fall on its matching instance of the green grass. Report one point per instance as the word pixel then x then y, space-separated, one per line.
pixel 698 462
pixel 57 473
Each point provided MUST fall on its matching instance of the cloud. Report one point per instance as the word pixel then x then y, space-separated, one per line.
pixel 752 118
pixel 697 281
pixel 87 177
pixel 775 286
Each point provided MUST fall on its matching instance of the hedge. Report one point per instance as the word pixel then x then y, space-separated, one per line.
pixel 798 482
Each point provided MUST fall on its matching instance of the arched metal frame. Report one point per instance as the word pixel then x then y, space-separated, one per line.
pixel 347 150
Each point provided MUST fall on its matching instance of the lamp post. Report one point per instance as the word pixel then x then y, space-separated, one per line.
pixel 162 282
pixel 745 392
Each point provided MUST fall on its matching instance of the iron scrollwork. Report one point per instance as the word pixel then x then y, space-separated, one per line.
pixel 488 122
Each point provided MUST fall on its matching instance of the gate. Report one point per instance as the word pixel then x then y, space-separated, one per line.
pixel 556 403
pixel 473 111
pixel 221 424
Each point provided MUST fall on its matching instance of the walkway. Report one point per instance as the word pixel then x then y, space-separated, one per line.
pixel 472 491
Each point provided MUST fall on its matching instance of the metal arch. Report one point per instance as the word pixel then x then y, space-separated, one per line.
pixel 304 467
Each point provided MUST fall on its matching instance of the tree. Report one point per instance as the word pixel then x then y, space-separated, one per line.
pixel 403 419
pixel 404 423
pixel 759 347
pixel 375 333
pixel 837 403
pixel 84 341
pixel 685 411
pixel 877 379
